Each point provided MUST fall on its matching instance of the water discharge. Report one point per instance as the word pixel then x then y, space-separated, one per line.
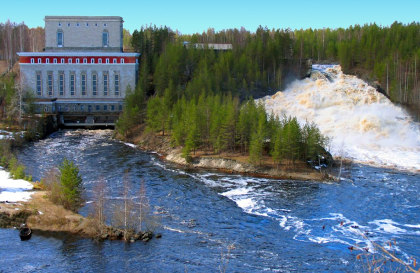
pixel 363 124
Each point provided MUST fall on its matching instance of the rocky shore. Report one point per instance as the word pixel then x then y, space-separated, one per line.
pixel 227 163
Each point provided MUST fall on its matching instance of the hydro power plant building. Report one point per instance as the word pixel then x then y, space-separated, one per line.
pixel 83 74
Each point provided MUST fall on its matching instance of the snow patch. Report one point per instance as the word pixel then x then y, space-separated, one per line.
pixel 13 190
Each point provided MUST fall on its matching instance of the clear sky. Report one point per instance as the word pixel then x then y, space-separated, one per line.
pixel 189 16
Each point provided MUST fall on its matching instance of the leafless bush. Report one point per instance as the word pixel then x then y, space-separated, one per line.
pixel 98 214
pixel 51 183
pixel 381 259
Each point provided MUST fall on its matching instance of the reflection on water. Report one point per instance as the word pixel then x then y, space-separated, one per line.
pixel 274 225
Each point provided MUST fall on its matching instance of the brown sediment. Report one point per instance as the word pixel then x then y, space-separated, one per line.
pixel 40 214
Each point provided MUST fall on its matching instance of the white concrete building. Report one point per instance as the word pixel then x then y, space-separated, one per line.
pixel 83 74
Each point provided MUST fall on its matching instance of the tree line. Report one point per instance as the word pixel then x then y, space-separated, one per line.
pixel 221 123
pixel 259 62
pixel 18 38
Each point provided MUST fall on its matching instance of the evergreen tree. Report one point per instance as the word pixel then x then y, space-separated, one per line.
pixel 71 185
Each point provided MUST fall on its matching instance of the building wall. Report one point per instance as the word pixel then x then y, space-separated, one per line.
pixel 127 77
pixel 84 33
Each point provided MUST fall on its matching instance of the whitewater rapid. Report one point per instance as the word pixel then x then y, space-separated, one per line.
pixel 362 124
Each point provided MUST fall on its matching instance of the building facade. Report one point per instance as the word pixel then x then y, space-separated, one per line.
pixel 83 74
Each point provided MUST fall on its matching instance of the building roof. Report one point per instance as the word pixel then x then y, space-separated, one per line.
pixel 84 18
pixel 78 54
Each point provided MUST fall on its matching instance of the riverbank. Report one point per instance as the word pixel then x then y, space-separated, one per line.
pixel 224 162
pixel 40 214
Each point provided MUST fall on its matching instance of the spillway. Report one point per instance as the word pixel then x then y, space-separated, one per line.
pixel 362 124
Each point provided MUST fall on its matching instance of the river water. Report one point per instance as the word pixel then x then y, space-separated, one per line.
pixel 211 221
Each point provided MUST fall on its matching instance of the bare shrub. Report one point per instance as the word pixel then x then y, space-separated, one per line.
pixel 381 259
pixel 51 182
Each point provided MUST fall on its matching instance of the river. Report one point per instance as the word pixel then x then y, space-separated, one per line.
pixel 211 221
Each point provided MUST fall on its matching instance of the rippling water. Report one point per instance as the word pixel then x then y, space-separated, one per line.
pixel 284 226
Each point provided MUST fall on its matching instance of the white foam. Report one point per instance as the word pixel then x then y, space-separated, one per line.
pixel 130 145
pixel 236 192
pixel 247 204
pixel 388 226
pixel 362 123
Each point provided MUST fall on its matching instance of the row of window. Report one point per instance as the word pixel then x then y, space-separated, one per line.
pixel 83 108
pixel 73 86
pixel 78 24
pixel 60 38
pixel 77 60
pixel 89 108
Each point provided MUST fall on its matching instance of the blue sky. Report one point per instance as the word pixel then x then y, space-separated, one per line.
pixel 189 16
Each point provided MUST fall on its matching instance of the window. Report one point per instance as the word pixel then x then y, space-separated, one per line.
pixel 61 83
pixel 70 60
pixel 107 60
pixel 112 107
pixel 77 60
pixel 97 107
pixel 85 60
pixel 94 84
pixel 82 108
pixel 114 60
pixel 105 107
pixel 38 83
pixel 120 107
pixel 47 60
pixel 55 60
pixel 39 60
pixel 122 60
pixel 60 38
pixel 92 60
pixel 68 24
pixel 72 83
pixel 87 24
pixel 104 25
pixel 50 83
pixel 96 24
pixel 59 108
pixel 105 83
pixel 105 38
pixel 117 84
pixel 62 60
pixel 100 60
pixel 32 60
pixel 59 24
pixel 77 24
pixel 83 82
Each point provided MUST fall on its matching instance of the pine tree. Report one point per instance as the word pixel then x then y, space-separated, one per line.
pixel 71 183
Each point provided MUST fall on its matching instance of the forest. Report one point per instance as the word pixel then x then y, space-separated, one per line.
pixel 178 81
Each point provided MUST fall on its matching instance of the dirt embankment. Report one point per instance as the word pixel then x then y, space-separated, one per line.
pixel 226 162
pixel 39 213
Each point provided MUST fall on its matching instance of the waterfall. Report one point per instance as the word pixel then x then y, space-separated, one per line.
pixel 362 123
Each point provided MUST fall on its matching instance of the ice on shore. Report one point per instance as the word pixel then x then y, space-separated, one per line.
pixel 12 190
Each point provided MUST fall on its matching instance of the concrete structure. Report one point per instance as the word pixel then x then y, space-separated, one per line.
pixel 86 33
pixel 216 47
pixel 83 74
